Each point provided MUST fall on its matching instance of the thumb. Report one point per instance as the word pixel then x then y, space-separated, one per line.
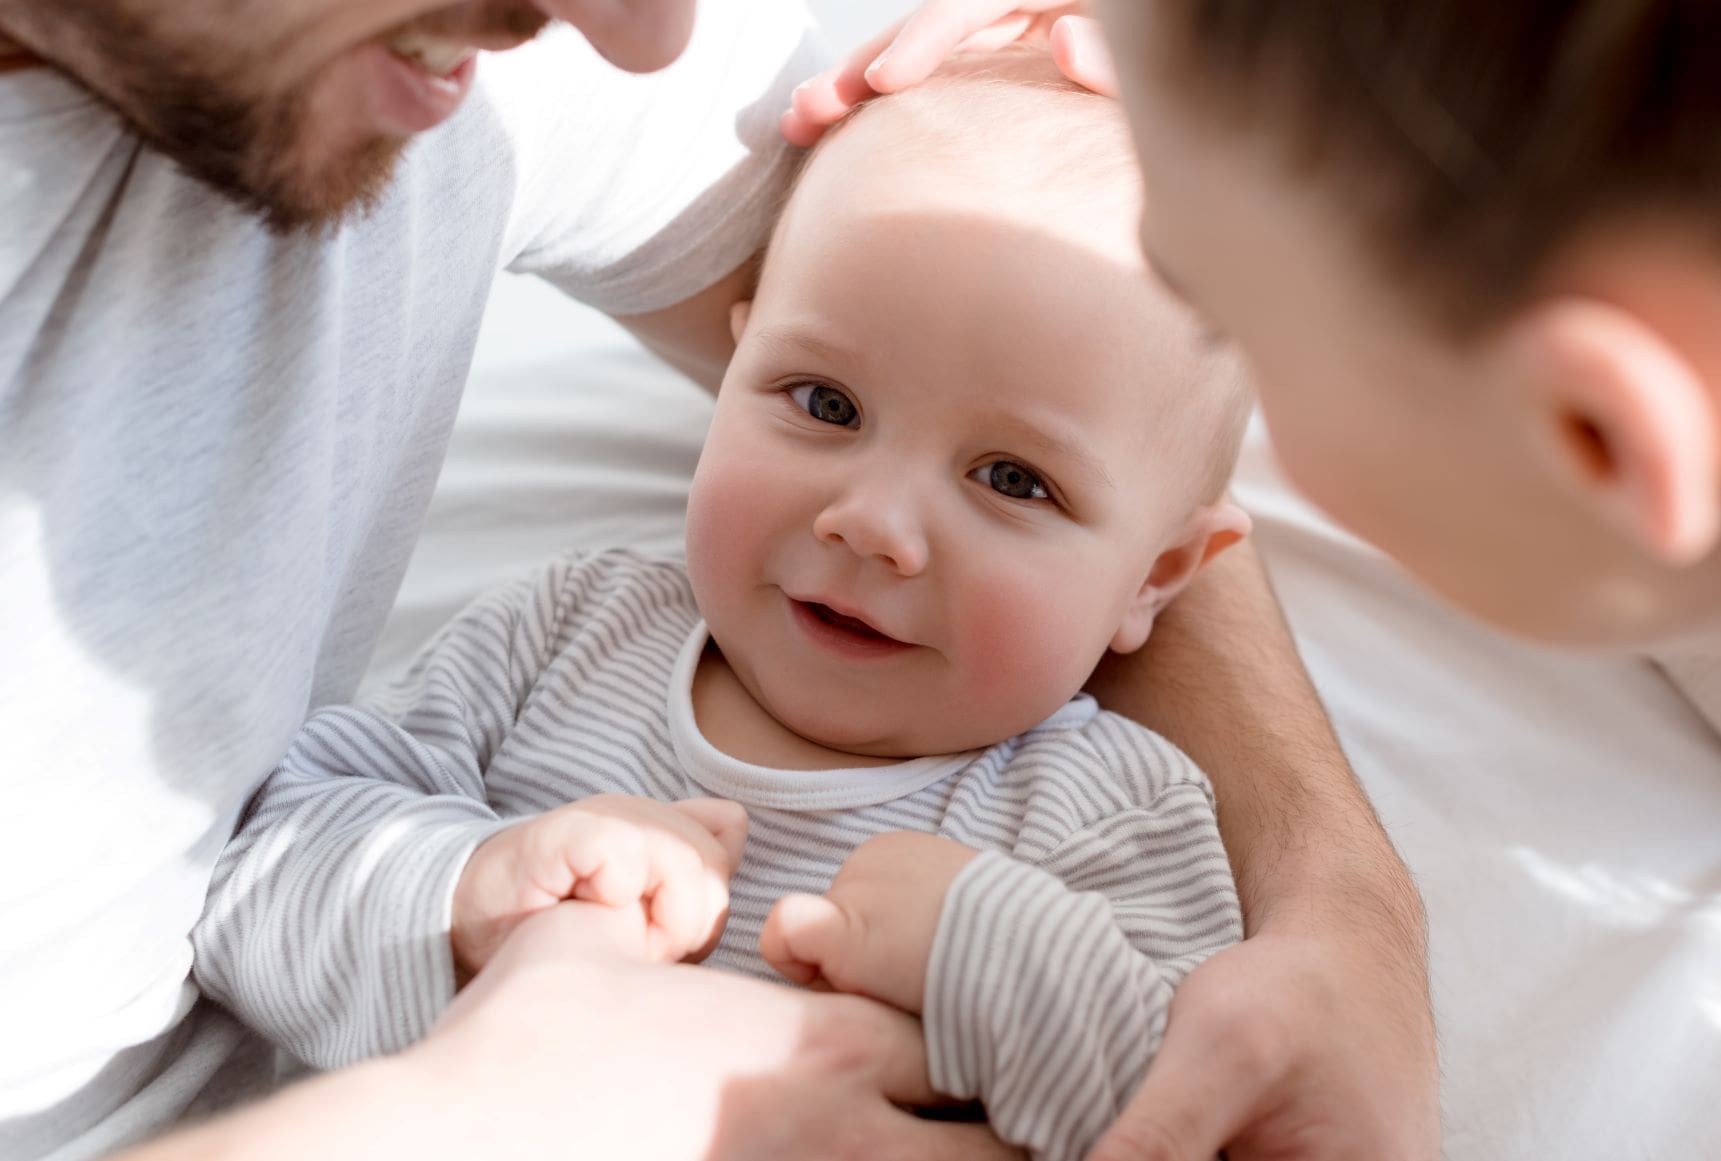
pixel 727 822
pixel 1191 1104
pixel 1079 48
pixel 805 937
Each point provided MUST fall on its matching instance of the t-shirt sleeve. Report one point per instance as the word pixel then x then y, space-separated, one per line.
pixel 1053 967
pixel 634 192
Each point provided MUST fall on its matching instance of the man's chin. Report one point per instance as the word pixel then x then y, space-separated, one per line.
pixel 320 199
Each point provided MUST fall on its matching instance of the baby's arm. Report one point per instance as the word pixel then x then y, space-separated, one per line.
pixel 1050 980
pixel 328 924
pixel 1044 978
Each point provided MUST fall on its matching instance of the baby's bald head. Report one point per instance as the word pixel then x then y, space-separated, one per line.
pixel 1005 136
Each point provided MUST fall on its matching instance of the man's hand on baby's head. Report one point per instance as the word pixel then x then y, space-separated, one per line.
pixel 911 51
pixel 871 933
pixel 668 862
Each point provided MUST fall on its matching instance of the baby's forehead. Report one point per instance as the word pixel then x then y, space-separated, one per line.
pixel 1005 128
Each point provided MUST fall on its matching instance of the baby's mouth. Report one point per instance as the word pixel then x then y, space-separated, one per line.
pixel 850 624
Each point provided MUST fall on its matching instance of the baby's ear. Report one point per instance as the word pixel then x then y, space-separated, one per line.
pixel 738 318
pixel 1211 530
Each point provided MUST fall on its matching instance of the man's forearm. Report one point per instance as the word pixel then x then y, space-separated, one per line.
pixel 694 335
pixel 360 1113
pixel 1221 678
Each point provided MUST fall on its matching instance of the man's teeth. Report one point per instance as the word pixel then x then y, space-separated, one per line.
pixel 433 54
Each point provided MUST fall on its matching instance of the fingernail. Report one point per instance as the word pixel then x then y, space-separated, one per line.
pixel 873 68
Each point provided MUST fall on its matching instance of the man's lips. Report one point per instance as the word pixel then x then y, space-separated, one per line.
pixel 405 97
pixel 419 74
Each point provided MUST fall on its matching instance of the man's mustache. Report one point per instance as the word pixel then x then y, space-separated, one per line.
pixel 511 20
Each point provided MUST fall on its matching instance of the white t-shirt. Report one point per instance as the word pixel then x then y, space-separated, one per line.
pixel 216 448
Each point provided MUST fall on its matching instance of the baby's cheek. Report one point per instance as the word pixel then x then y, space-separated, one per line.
pixel 1027 647
pixel 720 536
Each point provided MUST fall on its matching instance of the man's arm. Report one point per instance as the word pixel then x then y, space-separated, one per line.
pixel 694 335
pixel 1321 1016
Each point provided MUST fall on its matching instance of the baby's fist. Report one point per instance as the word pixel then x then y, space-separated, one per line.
pixel 871 933
pixel 670 861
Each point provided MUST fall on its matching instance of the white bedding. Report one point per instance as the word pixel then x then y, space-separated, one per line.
pixel 1563 815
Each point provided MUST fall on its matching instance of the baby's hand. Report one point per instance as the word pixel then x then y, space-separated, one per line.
pixel 670 862
pixel 871 933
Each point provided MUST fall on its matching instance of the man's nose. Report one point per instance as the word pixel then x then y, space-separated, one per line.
pixel 640 36
pixel 878 519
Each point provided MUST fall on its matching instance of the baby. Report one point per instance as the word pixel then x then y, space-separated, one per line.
pixel 949 468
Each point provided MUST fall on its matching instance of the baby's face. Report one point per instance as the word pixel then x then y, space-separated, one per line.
pixel 942 465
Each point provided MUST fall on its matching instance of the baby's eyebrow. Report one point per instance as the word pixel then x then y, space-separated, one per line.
pixel 800 341
pixel 1066 448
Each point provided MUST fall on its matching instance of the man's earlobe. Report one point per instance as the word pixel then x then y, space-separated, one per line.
pixel 738 318
pixel 1629 423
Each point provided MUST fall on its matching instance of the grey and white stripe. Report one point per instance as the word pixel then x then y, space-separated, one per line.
pixel 1103 885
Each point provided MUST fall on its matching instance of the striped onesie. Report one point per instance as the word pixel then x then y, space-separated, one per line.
pixel 1102 881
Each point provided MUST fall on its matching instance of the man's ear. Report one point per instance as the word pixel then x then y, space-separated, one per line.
pixel 738 318
pixel 1210 531
pixel 1629 423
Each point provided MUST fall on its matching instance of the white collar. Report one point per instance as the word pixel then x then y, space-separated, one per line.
pixel 763 786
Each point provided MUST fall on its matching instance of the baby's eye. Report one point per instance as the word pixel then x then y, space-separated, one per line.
pixel 825 403
pixel 1010 479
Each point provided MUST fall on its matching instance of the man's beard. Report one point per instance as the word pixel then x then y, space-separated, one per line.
pixel 261 154
pixel 201 106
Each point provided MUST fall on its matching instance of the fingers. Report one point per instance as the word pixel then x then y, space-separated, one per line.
pixel 940 1141
pixel 804 937
pixel 686 900
pixel 1081 54
pixel 942 27
pixel 623 852
pixel 889 1041
pixel 823 101
pixel 727 822
pixel 909 52
pixel 606 861
pixel 1191 1104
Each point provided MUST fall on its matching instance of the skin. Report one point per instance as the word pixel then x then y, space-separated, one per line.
pixel 871 933
pixel 667 862
pixel 756 1072
pixel 1556 474
pixel 887 262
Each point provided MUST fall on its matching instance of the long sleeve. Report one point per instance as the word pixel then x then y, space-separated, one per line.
pixel 1051 976
pixel 326 926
